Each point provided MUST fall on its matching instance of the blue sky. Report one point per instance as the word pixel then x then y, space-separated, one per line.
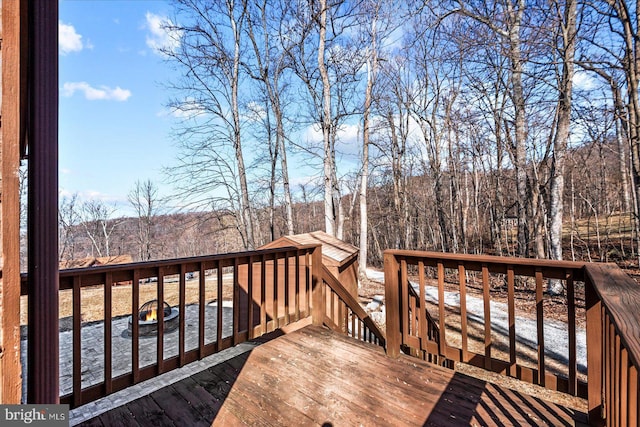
pixel 114 127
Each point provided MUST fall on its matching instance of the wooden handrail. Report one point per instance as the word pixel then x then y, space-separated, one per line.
pixel 344 295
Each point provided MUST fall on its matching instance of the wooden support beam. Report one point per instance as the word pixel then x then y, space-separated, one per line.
pixel 13 70
pixel 43 352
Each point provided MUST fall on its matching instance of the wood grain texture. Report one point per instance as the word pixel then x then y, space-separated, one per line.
pixel 13 119
pixel 620 295
pixel 314 376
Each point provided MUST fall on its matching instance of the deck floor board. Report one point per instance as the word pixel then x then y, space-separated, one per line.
pixel 314 376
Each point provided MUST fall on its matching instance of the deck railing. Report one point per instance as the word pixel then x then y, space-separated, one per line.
pixel 222 300
pixel 611 301
pixel 613 345
pixel 343 313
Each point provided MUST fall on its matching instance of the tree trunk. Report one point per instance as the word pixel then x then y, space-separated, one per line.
pixel 520 148
pixel 329 208
pixel 245 207
pixel 372 61
pixel 556 209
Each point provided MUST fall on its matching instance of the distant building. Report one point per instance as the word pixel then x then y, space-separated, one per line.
pixel 96 261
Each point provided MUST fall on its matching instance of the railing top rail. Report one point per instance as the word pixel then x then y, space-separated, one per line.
pixel 66 274
pixel 487 259
pixel 188 260
pixel 620 294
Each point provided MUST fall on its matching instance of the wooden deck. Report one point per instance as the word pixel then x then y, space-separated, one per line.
pixel 317 377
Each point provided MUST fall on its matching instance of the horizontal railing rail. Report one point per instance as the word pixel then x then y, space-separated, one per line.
pixel 221 300
pixel 344 314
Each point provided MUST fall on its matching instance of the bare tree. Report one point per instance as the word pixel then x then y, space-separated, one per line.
pixel 211 169
pixel 508 29
pixel 69 219
pixel 99 225
pixel 327 65
pixel 566 12
pixel 144 200
pixel 264 29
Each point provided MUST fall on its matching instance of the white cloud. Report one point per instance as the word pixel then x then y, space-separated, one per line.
pixel 92 94
pixel 584 81
pixel 161 38
pixel 348 134
pixel 255 111
pixel 68 40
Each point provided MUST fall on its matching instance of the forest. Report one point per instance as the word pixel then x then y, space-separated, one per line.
pixel 507 127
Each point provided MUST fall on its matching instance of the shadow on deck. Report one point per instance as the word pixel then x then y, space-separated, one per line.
pixel 314 376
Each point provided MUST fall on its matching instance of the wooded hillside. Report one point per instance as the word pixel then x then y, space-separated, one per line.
pixel 480 126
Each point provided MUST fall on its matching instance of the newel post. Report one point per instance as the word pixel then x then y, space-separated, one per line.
pixel 317 311
pixel 392 303
pixel 594 352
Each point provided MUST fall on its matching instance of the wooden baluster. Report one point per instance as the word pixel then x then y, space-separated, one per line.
pixel 276 317
pixel 487 317
pixel 182 315
pixel 571 318
pixel 404 289
pixel 135 332
pixel 413 317
pixel 250 298
pixel 422 313
pixel 615 397
pixel 353 324
pixel 634 396
pixel 297 273
pixel 613 393
pixel 331 297
pixel 201 310
pixel 540 327
pixel 77 343
pixel 108 283
pixel 263 297
pixel 463 311
pixel 219 309
pixel 512 321
pixel 236 304
pixel 624 384
pixel 287 289
pixel 308 292
pixel 160 316
pixel 442 344
pixel 606 372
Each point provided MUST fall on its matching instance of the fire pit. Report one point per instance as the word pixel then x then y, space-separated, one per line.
pixel 148 318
